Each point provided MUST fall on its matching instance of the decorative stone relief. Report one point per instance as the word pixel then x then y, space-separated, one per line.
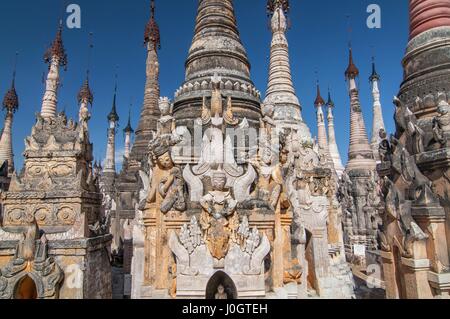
pixel 31 260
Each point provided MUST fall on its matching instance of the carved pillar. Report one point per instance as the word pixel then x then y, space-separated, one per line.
pixel 150 250
pixel 321 257
pixel 278 260
pixel 416 278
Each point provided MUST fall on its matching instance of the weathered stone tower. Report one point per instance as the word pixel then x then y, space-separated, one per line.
pixel 415 238
pixel 128 183
pixel 359 183
pixel 53 235
pixel 280 90
pixel 217 49
pixel 222 225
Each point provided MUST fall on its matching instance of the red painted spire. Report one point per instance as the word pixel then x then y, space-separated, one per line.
pixel 319 99
pixel 427 14
pixel 57 50
pixel 352 71
pixel 152 34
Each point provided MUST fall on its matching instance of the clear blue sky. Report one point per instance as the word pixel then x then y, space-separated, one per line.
pixel 318 41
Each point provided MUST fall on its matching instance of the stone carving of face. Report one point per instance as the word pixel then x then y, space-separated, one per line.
pixel 164 107
pixel 220 289
pixel 218 182
pixel 165 161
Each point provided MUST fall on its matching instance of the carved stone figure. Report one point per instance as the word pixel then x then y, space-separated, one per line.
pixel 221 294
pixel 31 259
pixel 294 273
pixel 441 123
pixel 219 203
pixel 384 148
pixel 217 149
pixel 27 246
pixel 216 220
pixel 404 165
pixel 398 210
pixel 167 183
pixel 267 124
pixel 166 127
pixel 406 121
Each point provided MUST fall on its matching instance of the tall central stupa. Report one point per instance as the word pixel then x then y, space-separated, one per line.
pixel 217 50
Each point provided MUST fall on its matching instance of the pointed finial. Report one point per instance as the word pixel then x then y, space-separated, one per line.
pixel 319 100
pixel 85 93
pixel 352 71
pixel 128 128
pixel 273 5
pixel 113 116
pixel 152 34
pixel 330 102
pixel 375 76
pixel 56 50
pixel 11 99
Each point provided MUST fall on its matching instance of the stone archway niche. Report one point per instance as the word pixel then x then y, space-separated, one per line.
pixel 26 289
pixel 221 278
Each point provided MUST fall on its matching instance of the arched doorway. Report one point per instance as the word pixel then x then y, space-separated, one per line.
pixel 26 289
pixel 218 280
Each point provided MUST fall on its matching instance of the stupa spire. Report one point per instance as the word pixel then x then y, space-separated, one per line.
pixel 56 57
pixel 149 112
pixel 128 131
pixel 216 49
pixel 85 96
pixel 332 144
pixel 10 105
pixel 378 122
pixel 280 91
pixel 360 153
pixel 217 36
pixel 113 119
pixel 321 128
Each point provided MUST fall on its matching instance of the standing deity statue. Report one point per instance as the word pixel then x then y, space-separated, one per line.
pixel 218 217
pixel 167 186
pixel 166 126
